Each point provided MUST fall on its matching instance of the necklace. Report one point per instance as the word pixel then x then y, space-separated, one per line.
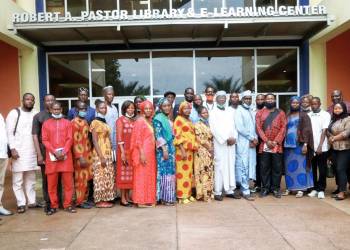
pixel 212 106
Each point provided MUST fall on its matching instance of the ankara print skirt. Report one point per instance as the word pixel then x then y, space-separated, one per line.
pixel 297 177
pixel 184 170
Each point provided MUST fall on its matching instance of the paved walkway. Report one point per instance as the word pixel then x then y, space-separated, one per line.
pixel 269 223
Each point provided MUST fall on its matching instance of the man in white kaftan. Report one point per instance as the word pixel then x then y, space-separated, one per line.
pixel 223 129
pixel 246 145
pixel 24 156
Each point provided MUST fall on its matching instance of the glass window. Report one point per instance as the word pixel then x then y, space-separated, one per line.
pixel 160 5
pixel 277 70
pixel 209 4
pixel 55 6
pixel 75 7
pixel 287 2
pixel 284 103
pixel 102 5
pixel 238 3
pixel 183 4
pixel 67 73
pixel 65 106
pixel 264 3
pixel 172 71
pixel 128 73
pixel 131 5
pixel 229 70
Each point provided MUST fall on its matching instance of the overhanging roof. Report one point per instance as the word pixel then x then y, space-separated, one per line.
pixel 300 28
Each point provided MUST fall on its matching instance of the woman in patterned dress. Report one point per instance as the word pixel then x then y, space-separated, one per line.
pixel 124 176
pixel 298 150
pixel 144 158
pixel 104 175
pixel 165 153
pixel 186 144
pixel 204 157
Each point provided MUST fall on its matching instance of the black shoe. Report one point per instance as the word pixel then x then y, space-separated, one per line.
pixel 334 196
pixel 47 207
pixel 276 194
pixel 125 205
pixel 90 203
pixel 336 191
pixel 255 189
pixel 83 205
pixel 218 197
pixel 60 205
pixel 263 194
pixel 234 196
pixel 131 202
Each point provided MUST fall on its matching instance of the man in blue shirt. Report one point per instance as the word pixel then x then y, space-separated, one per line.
pixel 83 95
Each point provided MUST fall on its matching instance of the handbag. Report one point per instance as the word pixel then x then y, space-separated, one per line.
pixel 330 170
pixel 9 154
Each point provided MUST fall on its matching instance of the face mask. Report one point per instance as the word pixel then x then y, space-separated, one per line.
pixel 101 116
pixel 82 113
pixel 270 105
pixel 245 106
pixel 307 109
pixel 210 98
pixel 57 116
pixel 317 110
pixel 129 116
pixel 260 106
pixel 295 109
pixel 206 121
pixel 221 106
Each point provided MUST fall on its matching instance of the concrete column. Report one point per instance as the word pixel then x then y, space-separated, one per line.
pixel 318 72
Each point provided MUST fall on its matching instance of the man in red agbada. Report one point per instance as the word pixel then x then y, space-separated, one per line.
pixel 57 138
pixel 82 154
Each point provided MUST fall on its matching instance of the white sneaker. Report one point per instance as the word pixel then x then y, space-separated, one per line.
pixel 313 193
pixel 321 195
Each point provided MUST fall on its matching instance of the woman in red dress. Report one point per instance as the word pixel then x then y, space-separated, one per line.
pixel 124 162
pixel 144 158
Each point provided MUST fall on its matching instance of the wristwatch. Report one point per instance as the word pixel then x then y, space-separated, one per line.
pixel 332 138
pixel 305 144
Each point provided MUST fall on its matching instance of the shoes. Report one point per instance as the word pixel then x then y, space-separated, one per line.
pixel 83 205
pixel 218 197
pixel 263 194
pixel 5 212
pixel 321 195
pixel 336 191
pixel 276 194
pixel 36 205
pixel 90 203
pixel 192 198
pixel 334 196
pixel 146 205
pixel 131 202
pixel 249 197
pixel 60 205
pixel 339 198
pixel 255 189
pixel 185 201
pixel 313 193
pixel 234 196
pixel 125 205
pixel 105 204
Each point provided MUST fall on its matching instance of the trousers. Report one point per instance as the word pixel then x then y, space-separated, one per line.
pixel 257 182
pixel 271 171
pixel 29 180
pixel 320 162
pixel 67 179
pixel 45 189
pixel 340 159
pixel 3 166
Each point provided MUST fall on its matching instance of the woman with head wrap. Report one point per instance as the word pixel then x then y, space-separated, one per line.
pixel 306 103
pixel 165 153
pixel 143 157
pixel 137 101
pixel 298 150
pixel 339 142
pixel 204 157
pixel 185 143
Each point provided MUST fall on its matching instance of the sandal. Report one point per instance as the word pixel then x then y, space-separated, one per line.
pixel 146 205
pixel 299 194
pixel 186 201
pixel 36 205
pixel 51 211
pixel 166 203
pixel 105 204
pixel 248 197
pixel 70 209
pixel 5 212
pixel 21 209
pixel 286 193
pixel 192 198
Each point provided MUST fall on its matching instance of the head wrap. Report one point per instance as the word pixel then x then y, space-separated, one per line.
pixel 169 93
pixel 143 104
pixel 141 97
pixel 308 96
pixel 336 117
pixel 107 89
pixel 182 106
pixel 82 89
pixel 246 93
pixel 221 92
pixel 296 97
pixel 167 135
pixel 161 101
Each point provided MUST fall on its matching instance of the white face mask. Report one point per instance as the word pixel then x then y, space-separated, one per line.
pixel 129 116
pixel 57 116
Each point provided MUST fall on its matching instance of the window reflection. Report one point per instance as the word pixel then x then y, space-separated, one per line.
pixel 277 70
pixel 128 73
pixel 284 102
pixel 65 106
pixel 209 4
pixel 229 70
pixel 287 2
pixel 183 4
pixel 131 5
pixel 238 3
pixel 67 73
pixel 172 70
pixel 75 7
pixel 102 5
pixel 55 6
pixel 160 5
pixel 264 3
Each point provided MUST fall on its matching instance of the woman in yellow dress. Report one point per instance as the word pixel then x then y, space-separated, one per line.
pixel 204 157
pixel 185 143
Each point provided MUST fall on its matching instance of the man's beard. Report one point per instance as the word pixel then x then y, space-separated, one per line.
pixel 27 108
pixel 260 106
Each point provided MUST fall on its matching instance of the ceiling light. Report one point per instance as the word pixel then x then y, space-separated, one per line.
pixel 98 70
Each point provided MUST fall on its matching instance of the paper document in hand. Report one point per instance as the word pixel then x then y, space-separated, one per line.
pixel 269 150
pixel 53 157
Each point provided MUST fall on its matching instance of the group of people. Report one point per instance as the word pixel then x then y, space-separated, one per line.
pixel 194 151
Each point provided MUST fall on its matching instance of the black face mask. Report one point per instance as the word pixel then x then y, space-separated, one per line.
pixel 260 106
pixel 270 105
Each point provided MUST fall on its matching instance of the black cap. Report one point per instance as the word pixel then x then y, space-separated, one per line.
pixel 169 93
